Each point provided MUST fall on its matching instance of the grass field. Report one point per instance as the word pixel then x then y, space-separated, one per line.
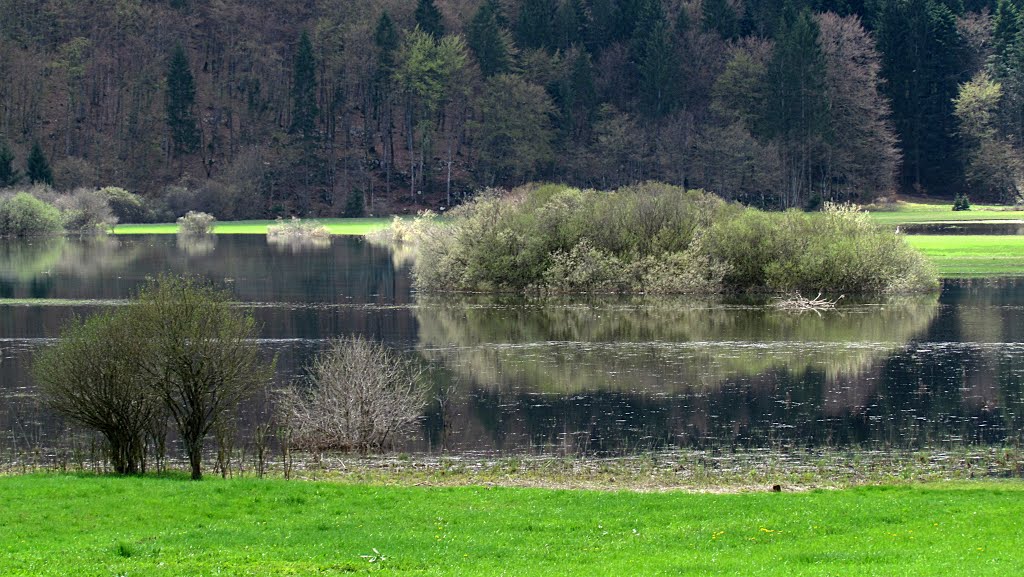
pixel 339 226
pixel 904 212
pixel 89 526
pixel 972 255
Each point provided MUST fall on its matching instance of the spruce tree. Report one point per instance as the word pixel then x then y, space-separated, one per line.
pixel 654 53
pixel 489 43
pixel 922 63
pixel 304 108
pixel 719 17
pixel 534 29
pixel 8 174
pixel 570 24
pixel 428 18
pixel 181 98
pixel 795 110
pixel 37 167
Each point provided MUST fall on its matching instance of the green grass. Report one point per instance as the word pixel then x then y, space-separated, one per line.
pixel 972 255
pixel 89 526
pixel 337 226
pixel 918 212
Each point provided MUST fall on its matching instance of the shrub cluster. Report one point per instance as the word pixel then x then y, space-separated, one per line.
pixel 25 215
pixel 656 238
pixel 196 223
pixel 296 229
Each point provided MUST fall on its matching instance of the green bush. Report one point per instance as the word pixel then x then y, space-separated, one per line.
pixel 25 215
pixel 961 202
pixel 656 238
pixel 126 206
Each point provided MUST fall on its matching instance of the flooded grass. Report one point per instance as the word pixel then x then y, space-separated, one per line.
pixel 91 526
pixel 336 226
pixel 969 256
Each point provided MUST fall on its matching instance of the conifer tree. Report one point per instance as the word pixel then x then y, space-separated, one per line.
pixel 489 43
pixel 37 167
pixel 795 109
pixel 428 18
pixel 570 25
pixel 654 53
pixel 718 16
pixel 181 98
pixel 8 174
pixel 922 53
pixel 534 29
pixel 304 108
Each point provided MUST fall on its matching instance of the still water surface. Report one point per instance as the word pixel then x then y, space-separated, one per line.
pixel 605 376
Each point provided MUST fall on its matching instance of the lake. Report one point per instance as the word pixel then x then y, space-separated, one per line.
pixel 594 376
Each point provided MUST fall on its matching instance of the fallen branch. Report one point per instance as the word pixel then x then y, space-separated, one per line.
pixel 798 302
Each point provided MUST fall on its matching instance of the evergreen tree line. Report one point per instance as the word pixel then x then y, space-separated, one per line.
pixel 249 109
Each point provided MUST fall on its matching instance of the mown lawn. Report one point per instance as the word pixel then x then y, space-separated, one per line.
pixel 917 212
pixel 92 526
pixel 972 255
pixel 340 226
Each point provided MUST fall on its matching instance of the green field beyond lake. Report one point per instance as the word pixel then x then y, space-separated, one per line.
pixel 93 526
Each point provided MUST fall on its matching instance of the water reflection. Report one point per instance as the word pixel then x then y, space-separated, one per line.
pixel 196 244
pixel 664 345
pixel 606 376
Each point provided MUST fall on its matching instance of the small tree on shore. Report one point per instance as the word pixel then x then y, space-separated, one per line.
pixel 89 377
pixel 201 358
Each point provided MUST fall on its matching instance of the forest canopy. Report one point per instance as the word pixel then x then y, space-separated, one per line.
pixel 248 109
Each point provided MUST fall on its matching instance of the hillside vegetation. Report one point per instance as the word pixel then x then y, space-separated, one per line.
pixel 250 110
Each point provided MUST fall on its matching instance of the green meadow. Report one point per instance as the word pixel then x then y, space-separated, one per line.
pixel 961 256
pixel 100 526
pixel 923 212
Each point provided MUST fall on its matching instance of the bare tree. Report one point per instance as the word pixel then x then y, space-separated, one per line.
pixel 362 395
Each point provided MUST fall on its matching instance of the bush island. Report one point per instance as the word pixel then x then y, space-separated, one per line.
pixel 196 223
pixel 26 215
pixel 656 238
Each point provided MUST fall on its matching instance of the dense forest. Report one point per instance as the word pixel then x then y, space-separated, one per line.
pixel 328 107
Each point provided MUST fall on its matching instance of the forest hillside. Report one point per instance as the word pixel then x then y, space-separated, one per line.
pixel 344 107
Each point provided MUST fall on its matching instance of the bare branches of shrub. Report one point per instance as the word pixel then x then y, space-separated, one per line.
pixel 197 223
pixel 362 396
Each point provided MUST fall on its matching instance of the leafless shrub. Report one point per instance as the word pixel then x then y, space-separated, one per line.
pixel 362 395
pixel 197 223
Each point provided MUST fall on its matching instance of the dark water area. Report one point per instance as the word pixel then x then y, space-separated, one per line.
pixel 599 376
pixel 965 228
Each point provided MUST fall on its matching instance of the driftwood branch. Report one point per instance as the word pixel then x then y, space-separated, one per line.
pixel 799 303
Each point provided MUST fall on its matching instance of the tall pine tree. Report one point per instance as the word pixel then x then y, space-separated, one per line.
pixel 37 167
pixel 535 27
pixel 655 54
pixel 491 45
pixel 8 174
pixel 428 18
pixel 304 107
pixel 181 99
pixel 720 17
pixel 795 108
pixel 922 63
